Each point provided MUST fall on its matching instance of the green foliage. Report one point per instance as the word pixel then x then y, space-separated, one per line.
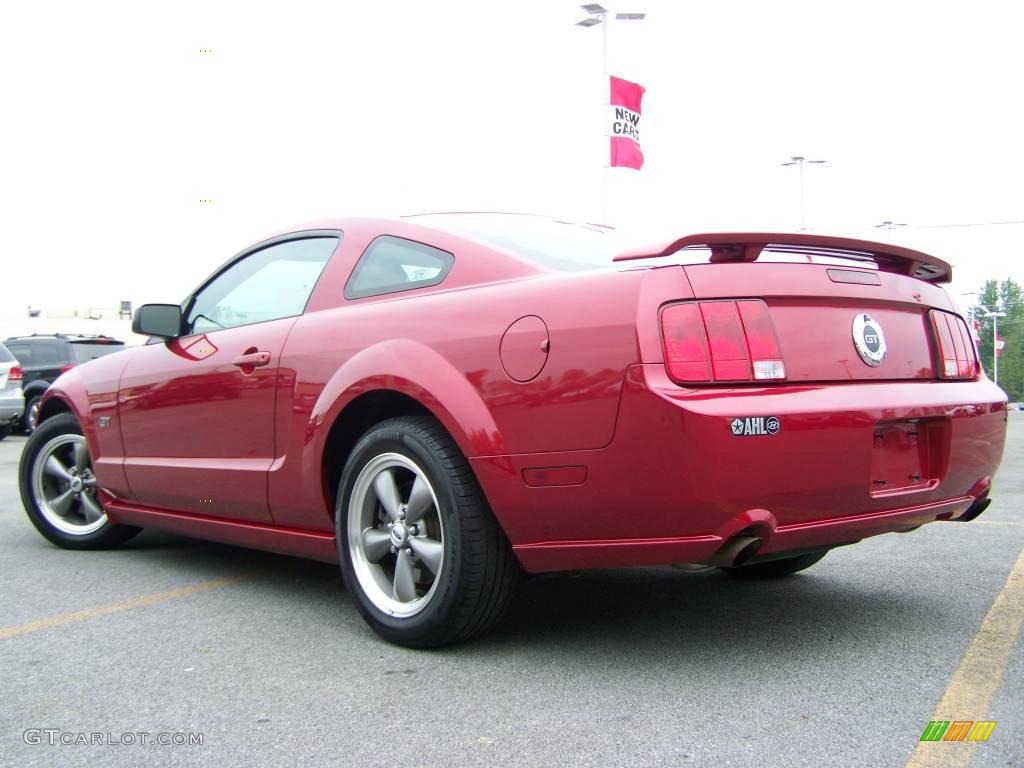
pixel 1006 296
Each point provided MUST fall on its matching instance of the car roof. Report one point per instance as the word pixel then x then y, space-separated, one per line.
pixel 74 337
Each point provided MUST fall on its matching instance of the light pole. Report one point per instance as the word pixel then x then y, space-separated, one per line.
pixel 799 160
pixel 995 342
pixel 889 226
pixel 598 15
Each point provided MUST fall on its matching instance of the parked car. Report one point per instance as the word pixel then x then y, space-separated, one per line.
pixel 441 402
pixel 12 399
pixel 44 357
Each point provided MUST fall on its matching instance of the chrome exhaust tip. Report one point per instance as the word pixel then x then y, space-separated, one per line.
pixel 737 551
pixel 975 510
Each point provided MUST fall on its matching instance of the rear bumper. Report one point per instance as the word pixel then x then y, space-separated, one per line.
pixel 11 407
pixel 675 483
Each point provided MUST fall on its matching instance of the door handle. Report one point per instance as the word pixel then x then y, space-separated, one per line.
pixel 252 360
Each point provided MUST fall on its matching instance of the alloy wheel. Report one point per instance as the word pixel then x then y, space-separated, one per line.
pixel 64 486
pixel 396 535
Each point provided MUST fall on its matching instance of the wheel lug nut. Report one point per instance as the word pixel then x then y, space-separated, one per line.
pixel 393 550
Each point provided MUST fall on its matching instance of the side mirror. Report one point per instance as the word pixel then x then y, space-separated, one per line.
pixel 163 320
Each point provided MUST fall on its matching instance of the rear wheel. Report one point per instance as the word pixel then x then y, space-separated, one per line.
pixel 5 430
pixel 59 490
pixel 772 569
pixel 421 553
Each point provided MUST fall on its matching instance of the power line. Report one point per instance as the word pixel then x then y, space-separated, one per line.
pixel 973 224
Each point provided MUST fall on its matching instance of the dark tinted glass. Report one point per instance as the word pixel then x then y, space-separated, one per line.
pixel 392 264
pixel 5 355
pixel 84 351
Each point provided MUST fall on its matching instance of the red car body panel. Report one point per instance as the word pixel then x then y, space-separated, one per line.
pixel 600 458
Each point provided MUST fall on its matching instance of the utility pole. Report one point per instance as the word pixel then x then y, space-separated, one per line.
pixel 995 341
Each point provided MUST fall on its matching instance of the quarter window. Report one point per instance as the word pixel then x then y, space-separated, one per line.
pixel 392 264
pixel 269 284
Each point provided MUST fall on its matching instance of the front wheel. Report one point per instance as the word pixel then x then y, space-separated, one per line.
pixel 421 553
pixel 59 490
pixel 773 569
pixel 28 419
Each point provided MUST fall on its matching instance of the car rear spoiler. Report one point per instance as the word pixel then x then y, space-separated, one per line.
pixel 747 246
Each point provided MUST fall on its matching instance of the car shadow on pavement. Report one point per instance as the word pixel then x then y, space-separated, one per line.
pixel 624 611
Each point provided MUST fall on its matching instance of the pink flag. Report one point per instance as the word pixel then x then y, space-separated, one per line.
pixel 625 119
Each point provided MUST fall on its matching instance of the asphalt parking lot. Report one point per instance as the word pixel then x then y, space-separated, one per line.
pixel 266 657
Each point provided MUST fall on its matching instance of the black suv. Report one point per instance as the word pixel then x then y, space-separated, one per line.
pixel 44 357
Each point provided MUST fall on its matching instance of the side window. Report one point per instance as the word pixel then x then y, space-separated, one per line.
pixel 270 284
pixel 40 352
pixel 391 264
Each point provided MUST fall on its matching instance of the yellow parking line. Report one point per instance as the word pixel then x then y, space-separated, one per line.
pixel 125 605
pixel 977 679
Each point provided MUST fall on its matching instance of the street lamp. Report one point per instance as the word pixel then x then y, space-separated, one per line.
pixel 995 341
pixel 598 15
pixel 889 226
pixel 799 160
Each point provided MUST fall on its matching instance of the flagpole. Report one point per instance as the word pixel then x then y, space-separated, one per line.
pixel 606 166
pixel 598 15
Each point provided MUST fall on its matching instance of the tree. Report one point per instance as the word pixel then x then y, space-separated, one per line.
pixel 1006 296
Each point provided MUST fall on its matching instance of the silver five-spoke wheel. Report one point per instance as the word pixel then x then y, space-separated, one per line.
pixel 395 535
pixel 64 486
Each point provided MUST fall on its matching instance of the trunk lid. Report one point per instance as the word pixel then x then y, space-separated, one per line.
pixel 816 310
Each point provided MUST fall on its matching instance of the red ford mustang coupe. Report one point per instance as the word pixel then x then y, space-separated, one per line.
pixel 444 401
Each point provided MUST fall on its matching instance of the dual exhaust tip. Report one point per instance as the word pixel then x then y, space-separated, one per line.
pixel 740 549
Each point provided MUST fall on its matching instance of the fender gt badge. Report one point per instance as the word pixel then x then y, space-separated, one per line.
pixel 745 426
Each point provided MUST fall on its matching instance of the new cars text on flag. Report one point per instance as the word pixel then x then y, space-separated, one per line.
pixel 624 111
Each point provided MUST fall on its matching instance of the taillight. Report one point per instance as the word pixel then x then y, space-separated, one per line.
pixel 15 374
pixel 712 341
pixel 66 368
pixel 958 359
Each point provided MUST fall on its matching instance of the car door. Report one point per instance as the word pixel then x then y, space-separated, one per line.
pixel 197 412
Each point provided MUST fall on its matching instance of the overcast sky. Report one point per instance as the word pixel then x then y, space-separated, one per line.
pixel 115 125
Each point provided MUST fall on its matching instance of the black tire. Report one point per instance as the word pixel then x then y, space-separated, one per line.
pixel 5 430
pixel 26 419
pixel 773 569
pixel 478 573
pixel 106 536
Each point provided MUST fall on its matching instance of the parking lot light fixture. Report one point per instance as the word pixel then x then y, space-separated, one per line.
pixel 889 226
pixel 800 161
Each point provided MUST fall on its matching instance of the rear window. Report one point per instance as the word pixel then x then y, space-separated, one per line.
pixel 84 351
pixel 564 246
pixel 5 355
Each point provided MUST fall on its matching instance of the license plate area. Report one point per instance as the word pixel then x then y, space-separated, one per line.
pixel 904 456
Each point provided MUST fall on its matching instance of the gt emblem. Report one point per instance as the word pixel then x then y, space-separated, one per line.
pixel 868 339
pixel 754 425
pixel 104 421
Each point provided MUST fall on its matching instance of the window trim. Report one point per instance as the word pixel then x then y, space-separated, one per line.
pixel 351 294
pixel 306 234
